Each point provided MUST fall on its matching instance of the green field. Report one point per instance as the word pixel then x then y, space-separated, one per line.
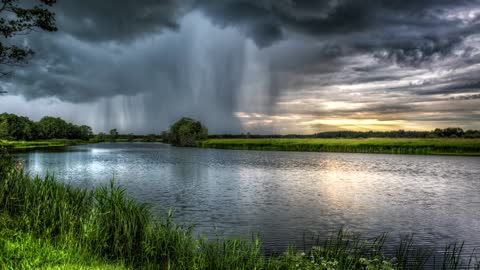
pixel 436 146
pixel 24 145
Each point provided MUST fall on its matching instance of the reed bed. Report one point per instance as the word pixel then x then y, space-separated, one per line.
pixel 46 224
pixel 370 145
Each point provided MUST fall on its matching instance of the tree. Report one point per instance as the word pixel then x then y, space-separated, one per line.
pixel 13 127
pixel 54 128
pixel 101 137
pixel 85 132
pixel 15 20
pixel 113 135
pixel 186 132
pixel 449 132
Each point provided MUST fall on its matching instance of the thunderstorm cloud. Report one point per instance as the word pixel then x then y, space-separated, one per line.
pixel 260 66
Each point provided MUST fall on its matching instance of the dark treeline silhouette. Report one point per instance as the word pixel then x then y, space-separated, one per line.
pixel 114 136
pixel 14 127
pixel 451 132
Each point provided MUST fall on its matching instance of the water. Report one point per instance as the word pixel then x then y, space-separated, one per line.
pixel 286 197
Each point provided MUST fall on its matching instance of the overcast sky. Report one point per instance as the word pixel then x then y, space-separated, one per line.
pixel 259 66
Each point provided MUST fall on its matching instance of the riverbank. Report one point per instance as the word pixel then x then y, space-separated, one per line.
pixel 437 146
pixel 32 145
pixel 46 224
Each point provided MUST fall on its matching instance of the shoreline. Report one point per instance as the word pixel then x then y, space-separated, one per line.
pixel 412 146
pixel 405 146
pixel 44 144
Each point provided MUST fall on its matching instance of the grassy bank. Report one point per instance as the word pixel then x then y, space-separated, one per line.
pixel 30 145
pixel 46 224
pixel 371 145
pixel 20 250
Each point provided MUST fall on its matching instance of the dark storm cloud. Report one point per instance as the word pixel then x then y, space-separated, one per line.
pixel 108 20
pixel 410 30
pixel 459 87
pixel 389 55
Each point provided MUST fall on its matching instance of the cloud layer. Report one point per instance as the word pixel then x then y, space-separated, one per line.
pixel 264 66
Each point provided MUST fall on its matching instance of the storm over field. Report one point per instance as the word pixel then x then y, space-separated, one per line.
pixel 268 66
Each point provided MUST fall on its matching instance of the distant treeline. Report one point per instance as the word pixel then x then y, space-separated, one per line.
pixel 14 127
pixel 114 136
pixel 21 128
pixel 451 132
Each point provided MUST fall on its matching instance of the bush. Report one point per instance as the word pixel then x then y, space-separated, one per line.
pixel 186 132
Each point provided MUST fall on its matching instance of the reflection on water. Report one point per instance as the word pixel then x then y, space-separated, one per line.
pixel 286 194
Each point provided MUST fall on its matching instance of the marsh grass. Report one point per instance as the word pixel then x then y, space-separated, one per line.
pixel 29 145
pixel 370 145
pixel 46 224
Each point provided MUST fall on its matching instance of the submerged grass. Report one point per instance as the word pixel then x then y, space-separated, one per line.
pixel 46 224
pixel 439 146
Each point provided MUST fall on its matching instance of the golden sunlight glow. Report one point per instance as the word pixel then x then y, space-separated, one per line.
pixel 308 124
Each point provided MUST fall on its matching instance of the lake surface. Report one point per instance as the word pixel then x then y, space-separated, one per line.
pixel 287 197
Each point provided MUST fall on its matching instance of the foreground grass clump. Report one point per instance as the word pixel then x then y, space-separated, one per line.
pixel 441 146
pixel 20 145
pixel 46 224
pixel 23 251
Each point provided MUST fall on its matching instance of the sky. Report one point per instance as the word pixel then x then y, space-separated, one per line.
pixel 258 66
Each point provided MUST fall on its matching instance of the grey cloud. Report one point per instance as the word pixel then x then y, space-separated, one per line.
pixel 466 97
pixel 459 87
pixel 409 30
pixel 109 20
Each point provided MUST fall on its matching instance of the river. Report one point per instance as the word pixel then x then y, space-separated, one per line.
pixel 286 197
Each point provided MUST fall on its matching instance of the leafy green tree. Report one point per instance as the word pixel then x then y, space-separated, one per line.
pixel 16 19
pixel 85 132
pixel 472 134
pixel 113 134
pixel 54 128
pixel 101 137
pixel 186 132
pixel 449 132
pixel 13 127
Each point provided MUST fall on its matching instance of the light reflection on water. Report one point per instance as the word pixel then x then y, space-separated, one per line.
pixel 284 195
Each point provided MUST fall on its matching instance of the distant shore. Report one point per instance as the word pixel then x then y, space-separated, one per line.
pixel 435 146
pixel 32 145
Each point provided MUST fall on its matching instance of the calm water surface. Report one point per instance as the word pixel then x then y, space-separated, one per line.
pixel 286 196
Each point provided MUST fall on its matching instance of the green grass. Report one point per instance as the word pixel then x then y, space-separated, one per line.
pixel 23 251
pixel 30 145
pixel 46 224
pixel 370 145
